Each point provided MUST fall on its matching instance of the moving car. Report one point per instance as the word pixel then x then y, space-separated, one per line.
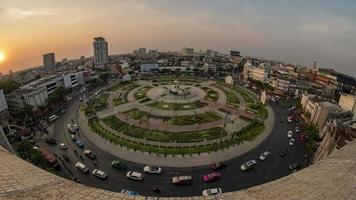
pixel 118 164
pixel 289 119
pixel 212 177
pixel 73 138
pixel 76 127
pixel 69 126
pixel 219 165
pixel 297 129
pixel 290 134
pixel 281 120
pixel 283 153
pixel 81 167
pixel 51 141
pixel 63 146
pixel 264 155
pixel 129 192
pixel 136 176
pixel 100 174
pixel 291 142
pixel 79 143
pixel 152 170
pixel 90 154
pixel 182 180
pixel 211 192
pixel 294 166
pixel 248 165
pixel 52 118
pixel 302 137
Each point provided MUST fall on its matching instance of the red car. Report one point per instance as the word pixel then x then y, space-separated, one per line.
pixel 302 137
pixel 212 177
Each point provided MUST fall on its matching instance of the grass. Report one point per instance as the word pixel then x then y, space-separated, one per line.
pixel 117 101
pixel 195 119
pixel 232 98
pixel 246 95
pixel 119 86
pixel 250 132
pixel 141 93
pixel 162 105
pixel 162 136
pixel 135 113
pixel 95 126
pixel 259 108
pixel 144 100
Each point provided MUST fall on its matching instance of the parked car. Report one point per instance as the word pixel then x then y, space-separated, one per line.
pixel 289 119
pixel 69 126
pixel 136 176
pixel 129 192
pixel 73 138
pixel 182 180
pixel 218 166
pixel 211 192
pixel 76 127
pixel 283 153
pixel 302 137
pixel 90 154
pixel 51 141
pixel 100 174
pixel 79 143
pixel 118 164
pixel 297 129
pixel 264 155
pixel 63 146
pixel 291 142
pixel 290 134
pixel 81 167
pixel 248 165
pixel 152 170
pixel 212 177
pixel 281 120
pixel 294 166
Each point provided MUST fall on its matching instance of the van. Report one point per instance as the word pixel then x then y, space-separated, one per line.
pixel 182 180
pixel 52 118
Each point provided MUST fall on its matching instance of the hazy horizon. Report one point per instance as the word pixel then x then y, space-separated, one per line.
pixel 277 30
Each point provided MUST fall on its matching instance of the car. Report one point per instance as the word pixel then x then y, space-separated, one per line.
pixel 118 164
pixel 302 137
pixel 100 174
pixel 73 137
pixel 281 120
pixel 36 147
pixel 212 177
pixel 211 192
pixel 248 165
pixel 129 192
pixel 79 143
pixel 152 170
pixel 294 166
pixel 136 176
pixel 51 141
pixel 218 166
pixel 297 129
pixel 69 126
pixel 290 134
pixel 90 154
pixel 283 153
pixel 81 99
pixel 81 167
pixel 291 142
pixel 289 119
pixel 62 146
pixel 182 180
pixel 264 155
pixel 76 127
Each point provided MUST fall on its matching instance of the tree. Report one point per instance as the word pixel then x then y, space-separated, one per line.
pixel 25 112
pixel 57 96
pixel 9 85
pixel 23 149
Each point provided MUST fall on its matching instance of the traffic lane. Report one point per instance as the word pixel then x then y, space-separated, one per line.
pixel 229 182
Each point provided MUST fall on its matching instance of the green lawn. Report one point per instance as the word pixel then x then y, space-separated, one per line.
pixel 141 93
pixel 258 108
pixel 246 95
pixel 232 98
pixel 117 101
pixel 250 132
pixel 135 113
pixel 162 105
pixel 195 119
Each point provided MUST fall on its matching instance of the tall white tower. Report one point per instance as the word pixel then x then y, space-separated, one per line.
pixel 101 53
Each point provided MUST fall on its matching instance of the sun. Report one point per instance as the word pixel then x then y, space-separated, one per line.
pixel 2 56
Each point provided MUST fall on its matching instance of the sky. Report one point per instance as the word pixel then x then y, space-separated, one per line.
pixel 286 30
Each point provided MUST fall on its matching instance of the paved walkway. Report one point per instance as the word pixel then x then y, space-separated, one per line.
pixel 176 161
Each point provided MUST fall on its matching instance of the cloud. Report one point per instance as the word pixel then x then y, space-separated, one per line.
pixel 16 13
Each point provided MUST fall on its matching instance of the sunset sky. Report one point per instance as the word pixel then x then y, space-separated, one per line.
pixel 286 30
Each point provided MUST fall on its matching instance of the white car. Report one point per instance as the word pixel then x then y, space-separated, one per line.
pixel 289 119
pixel 63 146
pixel 290 134
pixel 69 126
pixel 100 174
pixel 81 167
pixel 76 127
pixel 152 170
pixel 297 129
pixel 210 192
pixel 264 155
pixel 291 142
pixel 136 176
pixel 248 165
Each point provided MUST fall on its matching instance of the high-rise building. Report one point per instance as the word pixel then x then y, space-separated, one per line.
pixel 101 52
pixel 187 51
pixel 49 61
pixel 314 64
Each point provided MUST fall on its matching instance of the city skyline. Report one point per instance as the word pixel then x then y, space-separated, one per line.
pixel 290 32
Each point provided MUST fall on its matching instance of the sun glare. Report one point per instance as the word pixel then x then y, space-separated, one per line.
pixel 2 57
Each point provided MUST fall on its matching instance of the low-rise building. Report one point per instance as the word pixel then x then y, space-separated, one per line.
pixel 3 104
pixel 348 102
pixel 229 80
pixel 258 74
pixel 144 68
pixel 187 51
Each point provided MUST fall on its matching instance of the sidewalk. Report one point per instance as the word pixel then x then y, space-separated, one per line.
pixel 178 160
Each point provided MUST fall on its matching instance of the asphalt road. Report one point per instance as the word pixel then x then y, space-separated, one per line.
pixel 232 178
